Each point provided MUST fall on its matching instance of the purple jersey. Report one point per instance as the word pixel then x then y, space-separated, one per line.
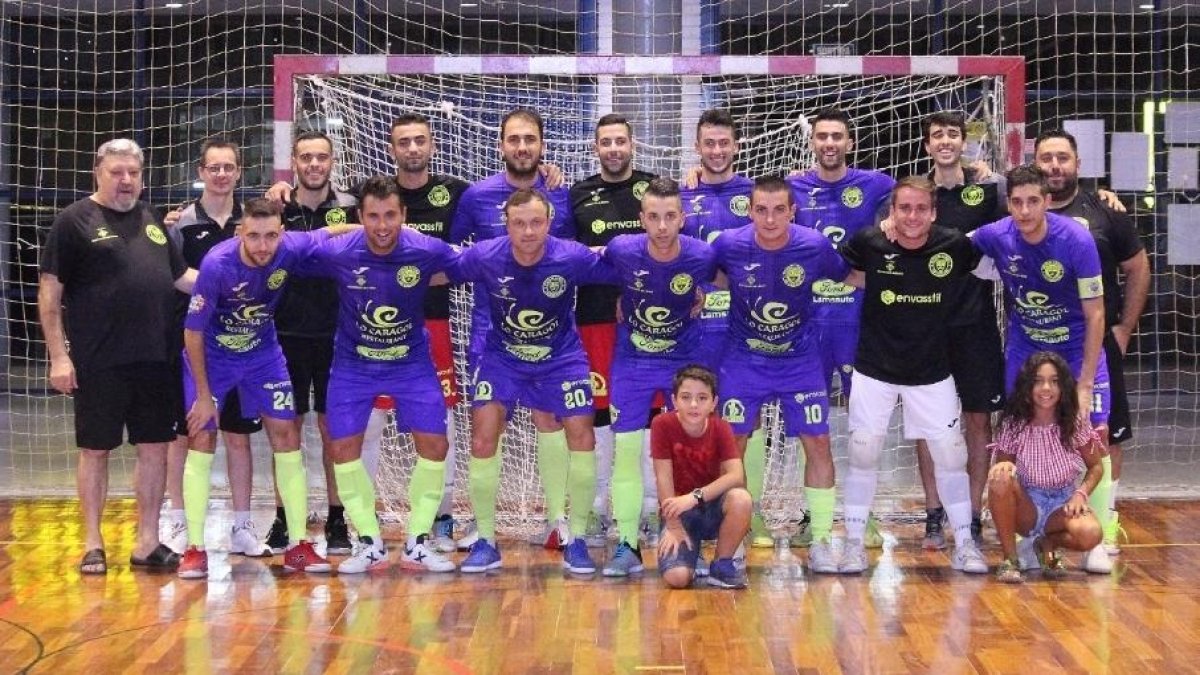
pixel 532 309
pixel 709 210
pixel 657 297
pixel 380 297
pixel 1044 283
pixel 234 303
pixel 838 210
pixel 771 298
pixel 480 214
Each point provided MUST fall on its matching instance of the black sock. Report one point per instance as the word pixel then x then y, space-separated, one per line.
pixel 337 512
pixel 279 514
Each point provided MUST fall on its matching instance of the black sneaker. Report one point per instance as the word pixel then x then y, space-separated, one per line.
pixel 337 537
pixel 277 537
pixel 977 531
pixel 935 538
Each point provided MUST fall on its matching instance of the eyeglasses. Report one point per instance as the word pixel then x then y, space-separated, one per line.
pixel 221 168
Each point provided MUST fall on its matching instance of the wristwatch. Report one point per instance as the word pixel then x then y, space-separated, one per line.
pixel 699 495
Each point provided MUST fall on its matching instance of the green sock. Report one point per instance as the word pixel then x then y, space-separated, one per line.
pixel 552 467
pixel 755 463
pixel 626 487
pixel 197 479
pixel 482 482
pixel 820 511
pixel 358 497
pixel 581 482
pixel 424 495
pixel 292 482
pixel 1098 501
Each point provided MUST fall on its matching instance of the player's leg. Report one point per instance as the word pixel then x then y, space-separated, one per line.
pixel 337 535
pixel 742 390
pixel 871 407
pixel 1120 430
pixel 599 341
pixel 101 400
pixel 174 521
pixel 442 352
pixel 632 393
pixel 977 366
pixel 235 432
pixel 1097 560
pixel 494 392
pixel 197 470
pixel 150 420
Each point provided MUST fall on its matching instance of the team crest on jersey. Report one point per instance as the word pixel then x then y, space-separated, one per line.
pixel 793 275
pixel 335 216
pixel 483 391
pixel 196 304
pixel 439 196
pixel 972 195
pixel 941 264
pixel 887 297
pixel 639 189
pixel 155 234
pixel 276 279
pixel 740 205
pixel 1052 271
pixel 834 233
pixel 598 226
pixel 554 286
pixel 733 411
pixel 852 196
pixel 681 283
pixel 408 276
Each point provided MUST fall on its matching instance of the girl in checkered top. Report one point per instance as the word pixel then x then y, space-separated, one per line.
pixel 1043 444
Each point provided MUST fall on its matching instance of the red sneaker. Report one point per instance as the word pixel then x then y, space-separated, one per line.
pixel 194 564
pixel 302 557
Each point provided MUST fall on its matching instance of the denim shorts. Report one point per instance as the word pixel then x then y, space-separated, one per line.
pixel 701 523
pixel 1047 501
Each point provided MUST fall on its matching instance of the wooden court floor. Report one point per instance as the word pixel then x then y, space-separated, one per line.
pixel 910 614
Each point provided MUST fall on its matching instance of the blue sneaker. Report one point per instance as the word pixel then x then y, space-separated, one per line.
pixel 483 556
pixel 443 534
pixel 626 560
pixel 722 573
pixel 576 558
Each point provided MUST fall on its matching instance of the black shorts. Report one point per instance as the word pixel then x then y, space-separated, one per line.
pixel 230 420
pixel 138 397
pixel 977 364
pixel 1120 423
pixel 308 364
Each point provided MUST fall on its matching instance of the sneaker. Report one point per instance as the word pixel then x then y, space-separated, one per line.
pixel 724 574
pixel 194 564
pixel 701 566
pixel 1112 533
pixel 481 558
pixel 803 536
pixel 596 535
pixel 337 537
pixel 935 538
pixel 244 541
pixel 650 528
pixel 873 538
pixel 470 536
pixel 626 560
pixel 174 534
pixel 302 557
pixel 977 530
pixel 420 556
pixel 576 558
pixel 1053 566
pixel 277 536
pixel 1096 561
pixel 1009 572
pixel 854 558
pixel 443 534
pixel 967 558
pixel 1027 554
pixel 760 536
pixel 369 558
pixel 554 535
pixel 821 557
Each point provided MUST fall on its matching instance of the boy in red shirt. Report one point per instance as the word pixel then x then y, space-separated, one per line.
pixel 701 483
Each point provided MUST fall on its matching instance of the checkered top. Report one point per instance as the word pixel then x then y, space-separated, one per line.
pixel 1041 459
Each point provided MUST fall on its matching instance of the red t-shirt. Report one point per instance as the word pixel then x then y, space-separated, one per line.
pixel 695 462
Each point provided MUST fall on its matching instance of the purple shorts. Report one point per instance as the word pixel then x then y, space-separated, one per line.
pixel 1015 356
pixel 635 382
pixel 561 385
pixel 838 345
pixel 260 377
pixel 747 381
pixel 420 405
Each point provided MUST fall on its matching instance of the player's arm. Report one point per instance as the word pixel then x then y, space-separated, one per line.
pixel 856 278
pixel 280 193
pixel 1094 471
pixel 1137 287
pixel 186 281
pixel 205 406
pixel 1111 200
pixel 62 370
pixel 1093 341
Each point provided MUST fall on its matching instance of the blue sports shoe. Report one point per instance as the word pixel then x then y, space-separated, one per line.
pixel 483 556
pixel 722 573
pixel 626 560
pixel 576 558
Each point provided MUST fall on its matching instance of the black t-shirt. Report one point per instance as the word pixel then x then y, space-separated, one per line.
pixel 906 304
pixel 1116 240
pixel 118 271
pixel 194 235
pixel 601 211
pixel 965 208
pixel 309 307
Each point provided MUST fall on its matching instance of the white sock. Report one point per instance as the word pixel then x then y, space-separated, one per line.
pixel 241 519
pixel 858 491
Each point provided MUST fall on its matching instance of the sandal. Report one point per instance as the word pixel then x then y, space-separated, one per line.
pixel 94 562
pixel 161 558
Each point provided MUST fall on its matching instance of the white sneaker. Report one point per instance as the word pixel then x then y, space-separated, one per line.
pixel 650 526
pixel 554 536
pixel 1027 554
pixel 421 557
pixel 1097 561
pixel 968 558
pixel 368 557
pixel 821 557
pixel 245 541
pixel 174 534
pixel 854 557
pixel 470 536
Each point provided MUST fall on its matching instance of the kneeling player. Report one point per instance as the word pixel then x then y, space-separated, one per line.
pixel 698 463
